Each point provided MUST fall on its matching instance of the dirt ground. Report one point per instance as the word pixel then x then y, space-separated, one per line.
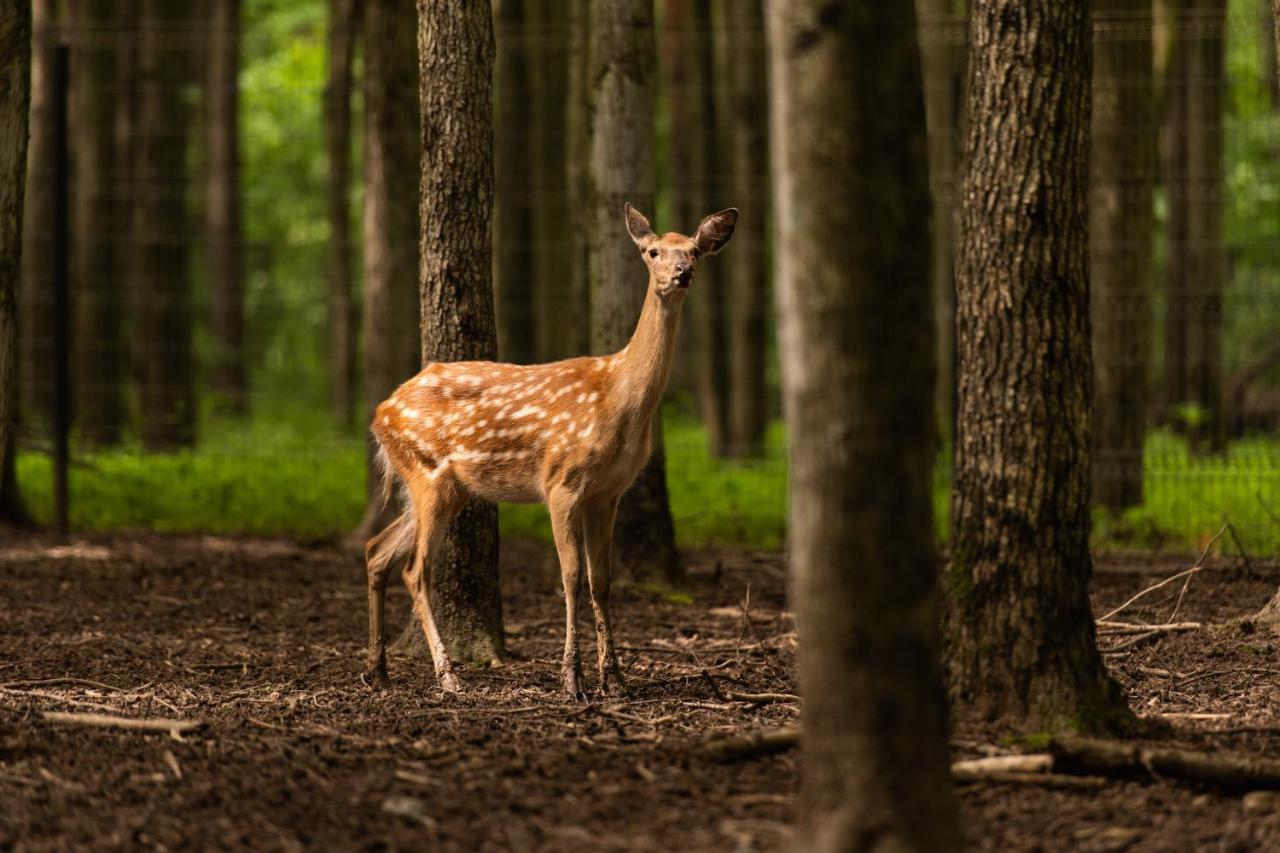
pixel 263 643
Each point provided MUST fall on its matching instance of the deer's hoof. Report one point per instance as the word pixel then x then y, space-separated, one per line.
pixel 375 679
pixel 573 685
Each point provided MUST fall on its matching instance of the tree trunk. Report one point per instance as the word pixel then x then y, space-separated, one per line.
pixel 101 356
pixel 455 62
pixel 856 340
pixel 1121 229
pixel 698 165
pixel 1269 47
pixel 513 211
pixel 622 170
pixel 15 106
pixel 1195 259
pixel 1275 32
pixel 223 220
pixel 744 113
pixel 390 318
pixel 164 319
pixel 1020 632
pixel 343 23
pixel 559 288
pixel 35 353
pixel 942 26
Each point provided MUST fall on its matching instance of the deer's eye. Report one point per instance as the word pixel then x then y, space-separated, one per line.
pixel 696 253
pixel 653 253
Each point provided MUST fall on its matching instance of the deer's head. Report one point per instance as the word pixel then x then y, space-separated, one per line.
pixel 672 258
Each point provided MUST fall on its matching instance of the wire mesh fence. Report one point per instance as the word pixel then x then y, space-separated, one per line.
pixel 185 211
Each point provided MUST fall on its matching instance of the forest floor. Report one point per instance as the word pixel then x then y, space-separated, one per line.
pixel 262 642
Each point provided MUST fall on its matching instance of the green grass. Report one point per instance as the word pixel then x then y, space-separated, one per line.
pixel 293 474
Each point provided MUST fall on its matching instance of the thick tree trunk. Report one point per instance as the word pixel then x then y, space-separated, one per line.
pixel 343 23
pixel 101 356
pixel 1195 259
pixel 15 109
pixel 390 335
pixel 622 170
pixel 744 119
pixel 455 63
pixel 1020 632
pixel 856 340
pixel 942 48
pixel 698 166
pixel 559 290
pixel 513 212
pixel 164 320
pixel 35 385
pixel 228 377
pixel 1275 32
pixel 1121 229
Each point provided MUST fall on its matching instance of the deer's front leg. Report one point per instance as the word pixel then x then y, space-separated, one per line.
pixel 567 527
pixel 598 528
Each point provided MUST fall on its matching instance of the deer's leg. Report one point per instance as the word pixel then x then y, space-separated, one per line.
pixel 567 527
pixel 598 527
pixel 434 511
pixel 383 550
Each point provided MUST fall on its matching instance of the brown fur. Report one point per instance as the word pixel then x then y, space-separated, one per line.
pixel 571 434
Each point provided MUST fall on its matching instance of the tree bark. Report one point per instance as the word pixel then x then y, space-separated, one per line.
pixel 698 165
pixel 101 356
pixel 343 24
pixel 942 47
pixel 1195 259
pixel 856 340
pixel 15 107
pixel 1020 634
pixel 35 385
pixel 581 216
pixel 513 211
pixel 1121 231
pixel 164 318
pixel 559 289
pixel 455 63
pixel 745 284
pixel 622 170
pixel 228 377
pixel 390 335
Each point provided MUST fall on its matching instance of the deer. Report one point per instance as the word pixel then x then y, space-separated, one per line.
pixel 570 434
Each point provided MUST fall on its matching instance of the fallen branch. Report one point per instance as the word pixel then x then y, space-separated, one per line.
pixel 977 767
pixel 762 698
pixel 1139 628
pixel 753 744
pixel 1046 780
pixel 1188 573
pixel 1074 754
pixel 175 728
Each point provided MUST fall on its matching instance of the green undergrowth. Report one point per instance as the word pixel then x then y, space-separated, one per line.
pixel 292 473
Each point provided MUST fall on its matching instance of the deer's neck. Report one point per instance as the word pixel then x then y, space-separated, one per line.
pixel 646 362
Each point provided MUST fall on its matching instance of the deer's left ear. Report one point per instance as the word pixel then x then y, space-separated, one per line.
pixel 638 226
pixel 715 230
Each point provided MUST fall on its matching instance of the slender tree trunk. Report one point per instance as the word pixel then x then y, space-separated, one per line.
pixel 1121 229
pixel 581 215
pixel 223 218
pixel 1270 47
pixel 343 24
pixel 34 329
pixel 856 339
pixel 164 317
pixel 455 62
pixel 390 318
pixel 561 305
pixel 699 163
pixel 15 110
pixel 943 61
pixel 1275 32
pixel 101 356
pixel 513 213
pixel 744 111
pixel 622 170
pixel 1020 630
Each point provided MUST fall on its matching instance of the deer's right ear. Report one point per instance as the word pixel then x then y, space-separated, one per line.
pixel 638 227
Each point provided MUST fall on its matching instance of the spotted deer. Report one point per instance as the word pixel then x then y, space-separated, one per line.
pixel 571 434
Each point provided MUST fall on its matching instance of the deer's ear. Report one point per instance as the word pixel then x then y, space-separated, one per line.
pixel 715 230
pixel 638 226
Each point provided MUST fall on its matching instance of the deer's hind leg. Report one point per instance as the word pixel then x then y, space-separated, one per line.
pixel 597 523
pixel 436 500
pixel 392 544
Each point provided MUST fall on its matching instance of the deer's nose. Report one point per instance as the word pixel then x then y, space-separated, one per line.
pixel 680 268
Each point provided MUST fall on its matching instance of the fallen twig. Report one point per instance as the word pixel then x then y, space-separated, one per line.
pixel 753 744
pixel 1139 628
pixel 1046 780
pixel 175 728
pixel 45 682
pixel 1188 573
pixel 762 698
